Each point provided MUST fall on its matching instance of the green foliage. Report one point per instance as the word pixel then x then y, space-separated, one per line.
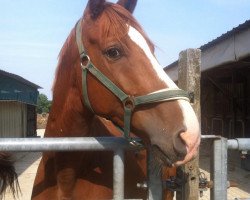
pixel 43 104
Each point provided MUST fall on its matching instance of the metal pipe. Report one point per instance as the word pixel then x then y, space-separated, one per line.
pixel 118 175
pixel 232 144
pixel 210 137
pixel 65 144
pixel 219 170
pixel 237 143
pixel 155 184
pixel 241 144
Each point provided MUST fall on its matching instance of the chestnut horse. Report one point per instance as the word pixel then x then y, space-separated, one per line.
pixel 107 74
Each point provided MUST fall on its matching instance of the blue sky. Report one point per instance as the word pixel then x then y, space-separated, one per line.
pixel 33 31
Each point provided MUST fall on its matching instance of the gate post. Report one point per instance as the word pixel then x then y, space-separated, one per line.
pixel 189 71
pixel 155 184
pixel 118 175
pixel 218 168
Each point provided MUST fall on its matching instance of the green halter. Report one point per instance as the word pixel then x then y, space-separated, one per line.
pixel 129 102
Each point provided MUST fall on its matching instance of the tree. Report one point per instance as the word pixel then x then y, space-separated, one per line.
pixel 43 104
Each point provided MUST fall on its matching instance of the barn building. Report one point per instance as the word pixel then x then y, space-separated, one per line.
pixel 18 99
pixel 225 83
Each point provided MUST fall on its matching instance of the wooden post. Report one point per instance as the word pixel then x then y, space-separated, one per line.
pixel 189 80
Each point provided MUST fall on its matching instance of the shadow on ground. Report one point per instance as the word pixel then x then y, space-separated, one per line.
pixel 26 159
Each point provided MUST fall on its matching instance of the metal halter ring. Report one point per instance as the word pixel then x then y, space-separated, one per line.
pixel 83 57
pixel 129 103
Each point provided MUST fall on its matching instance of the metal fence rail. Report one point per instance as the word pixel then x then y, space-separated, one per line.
pixel 65 144
pixel 115 144
pixel 119 146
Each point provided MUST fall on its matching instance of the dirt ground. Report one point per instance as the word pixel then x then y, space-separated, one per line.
pixel 27 164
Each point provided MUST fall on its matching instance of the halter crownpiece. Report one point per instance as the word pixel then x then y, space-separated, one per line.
pixel 129 102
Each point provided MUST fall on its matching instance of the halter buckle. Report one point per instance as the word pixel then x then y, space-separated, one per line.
pixel 85 58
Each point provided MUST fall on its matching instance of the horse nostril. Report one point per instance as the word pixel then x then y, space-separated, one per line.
pixel 180 145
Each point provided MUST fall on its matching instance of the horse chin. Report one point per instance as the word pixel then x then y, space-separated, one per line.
pixel 189 157
pixel 160 158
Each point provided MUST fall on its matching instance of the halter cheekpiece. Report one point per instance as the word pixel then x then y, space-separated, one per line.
pixel 129 102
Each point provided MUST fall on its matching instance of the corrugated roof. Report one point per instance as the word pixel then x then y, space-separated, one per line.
pixel 240 28
pixel 20 79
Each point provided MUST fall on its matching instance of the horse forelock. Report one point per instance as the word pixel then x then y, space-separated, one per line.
pixel 116 22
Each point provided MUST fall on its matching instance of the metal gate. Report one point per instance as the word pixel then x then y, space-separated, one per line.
pixel 116 144
pixel 120 145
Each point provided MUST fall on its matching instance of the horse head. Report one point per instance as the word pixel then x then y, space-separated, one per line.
pixel 118 47
pixel 123 82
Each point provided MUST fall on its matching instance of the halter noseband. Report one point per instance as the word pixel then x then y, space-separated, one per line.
pixel 129 102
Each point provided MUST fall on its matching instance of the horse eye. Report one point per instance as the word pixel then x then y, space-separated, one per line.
pixel 113 53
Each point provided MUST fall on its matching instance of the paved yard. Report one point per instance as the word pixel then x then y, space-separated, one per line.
pixel 235 174
pixel 27 164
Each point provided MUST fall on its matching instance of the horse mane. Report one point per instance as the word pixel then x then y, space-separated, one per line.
pixel 67 55
pixel 116 22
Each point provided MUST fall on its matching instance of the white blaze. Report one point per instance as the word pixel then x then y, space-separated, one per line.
pixel 188 113
pixel 137 38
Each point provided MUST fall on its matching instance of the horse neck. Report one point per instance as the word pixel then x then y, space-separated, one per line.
pixel 68 117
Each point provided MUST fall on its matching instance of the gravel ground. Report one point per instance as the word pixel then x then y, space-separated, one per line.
pixel 27 164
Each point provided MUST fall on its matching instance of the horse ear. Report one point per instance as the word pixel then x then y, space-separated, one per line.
pixel 128 4
pixel 96 7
